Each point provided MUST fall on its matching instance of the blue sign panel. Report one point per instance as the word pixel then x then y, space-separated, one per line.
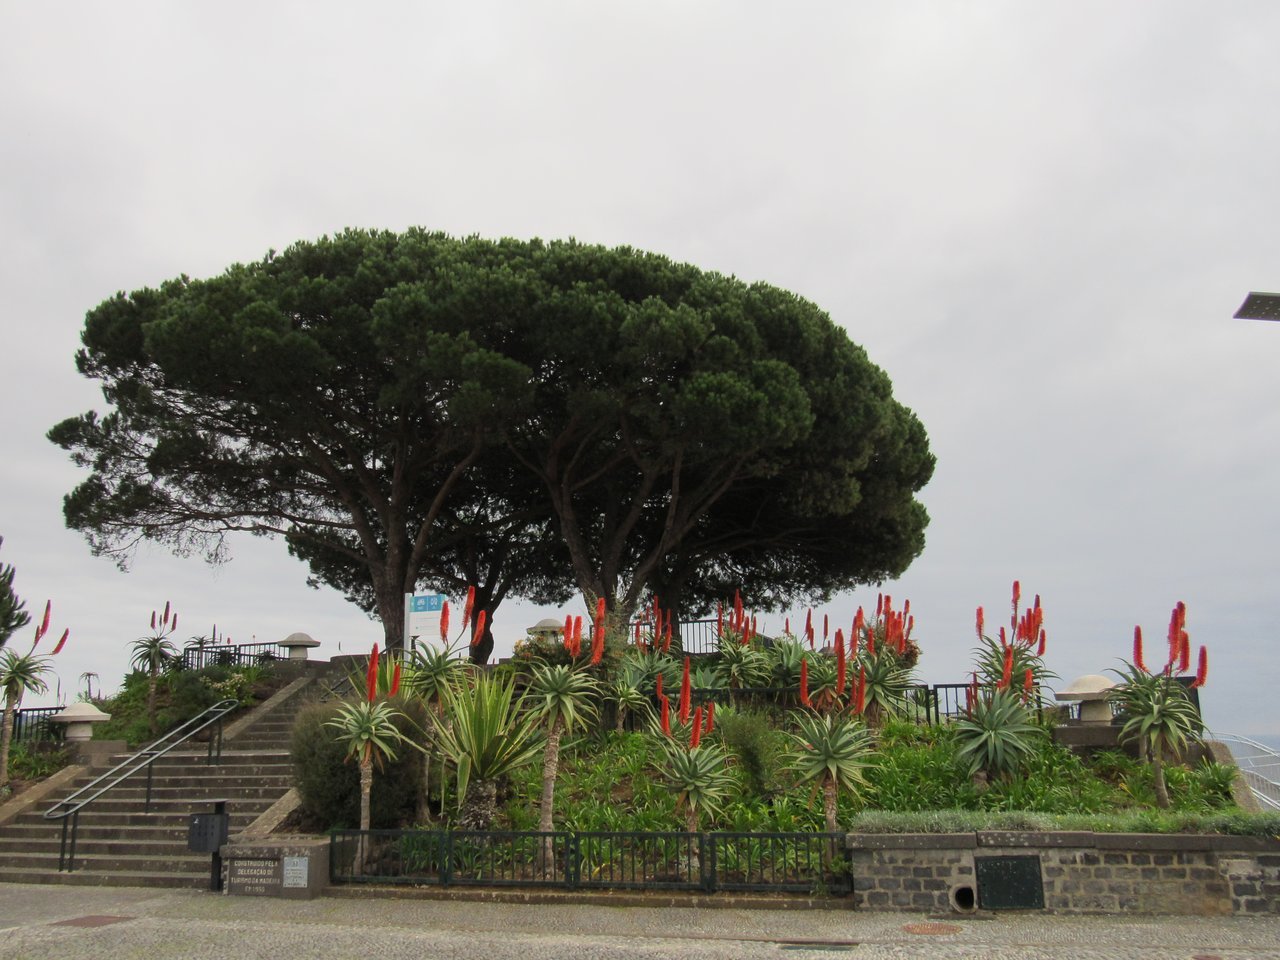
pixel 426 603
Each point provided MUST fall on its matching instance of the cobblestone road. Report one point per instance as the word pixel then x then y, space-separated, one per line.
pixel 95 923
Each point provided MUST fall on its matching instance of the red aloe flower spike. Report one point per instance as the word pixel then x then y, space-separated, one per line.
pixel 686 693
pixel 786 626
pixel 879 604
pixel 737 603
pixel 153 624
pixel 1040 648
pixel 1003 642
pixel 44 623
pixel 1006 676
pixel 808 624
pixel 468 608
pixel 1201 668
pixel 860 702
pixel 175 622
pixel 1184 652
pixel 1182 614
pixel 695 734
pixel 911 625
pixel 164 619
pixel 666 717
pixel 719 619
pixel 371 678
pixel 1017 593
pixel 444 622
pixel 826 630
pixel 841 666
pixel 657 686
pixel 709 718
pixel 1028 682
pixel 804 682
pixel 67 632
pixel 753 625
pixel 1137 650
pixel 577 636
pixel 395 681
pixel 1175 640
pixel 479 632
pixel 597 646
pixel 666 634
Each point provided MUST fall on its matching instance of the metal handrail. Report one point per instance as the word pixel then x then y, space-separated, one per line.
pixel 143 759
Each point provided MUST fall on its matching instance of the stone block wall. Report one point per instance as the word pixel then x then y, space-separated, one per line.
pixel 1172 874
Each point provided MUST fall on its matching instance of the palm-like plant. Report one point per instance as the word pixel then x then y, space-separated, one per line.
pixel 784 659
pixel 369 731
pixel 485 739
pixel 699 776
pixel 831 752
pixel 19 674
pixel 150 655
pixel 562 701
pixel 1157 713
pixel 998 736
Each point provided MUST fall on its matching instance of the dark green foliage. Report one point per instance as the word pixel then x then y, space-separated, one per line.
pixel 917 769
pixel 34 761
pixel 526 417
pixel 329 786
pixel 1234 822
pixel 13 615
pixel 756 746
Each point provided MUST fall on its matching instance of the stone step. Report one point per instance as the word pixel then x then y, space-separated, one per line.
pixel 22 833
pixel 142 863
pixel 86 845
pixel 241 816
pixel 116 878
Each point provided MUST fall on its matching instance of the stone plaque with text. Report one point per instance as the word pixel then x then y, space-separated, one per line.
pixel 254 878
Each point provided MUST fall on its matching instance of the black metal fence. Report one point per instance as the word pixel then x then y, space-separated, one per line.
pixel 197 656
pixel 31 724
pixel 812 863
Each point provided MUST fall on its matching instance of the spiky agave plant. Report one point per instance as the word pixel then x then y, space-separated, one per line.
pixel 699 776
pixel 485 737
pixel 831 753
pixel 997 736
pixel 627 692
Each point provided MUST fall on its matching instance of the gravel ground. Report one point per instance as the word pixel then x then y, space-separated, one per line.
pixel 120 922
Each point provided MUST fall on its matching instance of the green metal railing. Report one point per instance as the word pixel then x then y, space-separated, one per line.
pixel 811 863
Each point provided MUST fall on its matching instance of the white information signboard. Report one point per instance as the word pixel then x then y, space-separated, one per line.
pixel 422 615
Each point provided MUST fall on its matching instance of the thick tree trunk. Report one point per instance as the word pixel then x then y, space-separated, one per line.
pixel 366 792
pixel 6 738
pixel 829 796
pixel 151 701
pixel 550 767
pixel 1157 771
pixel 481 805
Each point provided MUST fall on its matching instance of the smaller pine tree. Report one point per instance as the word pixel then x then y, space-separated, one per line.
pixel 13 615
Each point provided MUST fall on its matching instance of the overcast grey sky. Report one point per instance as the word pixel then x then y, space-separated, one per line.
pixel 1038 218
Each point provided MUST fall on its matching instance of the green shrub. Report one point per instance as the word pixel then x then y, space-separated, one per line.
pixel 329 786
pixel 756 746
pixel 34 761
pixel 1233 822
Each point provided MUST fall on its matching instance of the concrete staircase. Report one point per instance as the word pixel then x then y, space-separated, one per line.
pixel 119 844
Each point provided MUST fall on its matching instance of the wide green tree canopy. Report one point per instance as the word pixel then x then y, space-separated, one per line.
pixel 413 409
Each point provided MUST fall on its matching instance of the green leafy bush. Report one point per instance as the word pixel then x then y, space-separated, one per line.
pixel 756 746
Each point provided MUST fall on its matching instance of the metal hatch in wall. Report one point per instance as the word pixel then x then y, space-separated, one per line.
pixel 1009 883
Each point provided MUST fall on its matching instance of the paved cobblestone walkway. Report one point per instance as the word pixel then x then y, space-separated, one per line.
pixel 70 923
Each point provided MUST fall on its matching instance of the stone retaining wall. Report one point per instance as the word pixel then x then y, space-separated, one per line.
pixel 1177 874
